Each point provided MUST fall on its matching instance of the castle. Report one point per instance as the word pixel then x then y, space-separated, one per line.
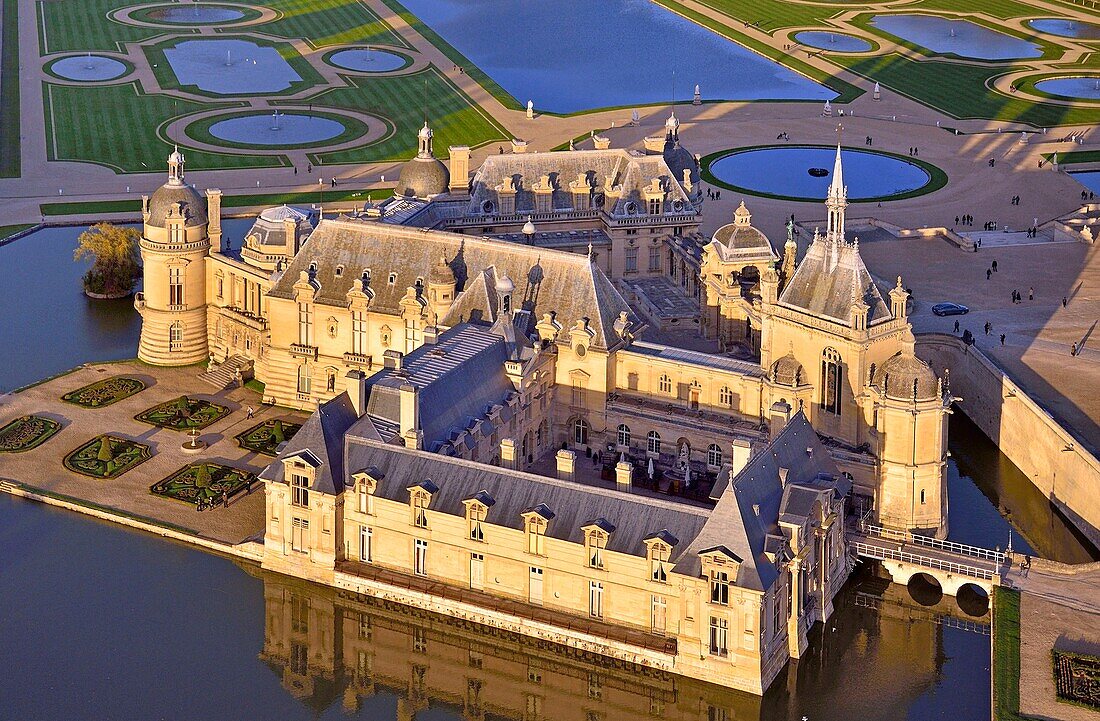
pixel 493 439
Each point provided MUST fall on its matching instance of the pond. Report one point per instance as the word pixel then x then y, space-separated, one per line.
pixel 1066 28
pixel 839 42
pixel 196 14
pixel 579 55
pixel 267 129
pixel 1089 178
pixel 960 37
pixel 88 68
pixel 785 171
pixel 1076 87
pixel 368 60
pixel 230 67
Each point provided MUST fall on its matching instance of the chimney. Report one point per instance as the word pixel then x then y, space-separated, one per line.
pixel 567 463
pixel 460 169
pixel 214 215
pixel 290 228
pixel 431 335
pixel 780 415
pixel 392 359
pixel 508 453
pixel 624 472
pixel 357 391
pixel 741 449
pixel 410 416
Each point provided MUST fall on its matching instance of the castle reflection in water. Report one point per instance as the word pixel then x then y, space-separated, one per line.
pixel 334 650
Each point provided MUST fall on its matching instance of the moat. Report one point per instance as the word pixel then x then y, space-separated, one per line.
pixel 158 607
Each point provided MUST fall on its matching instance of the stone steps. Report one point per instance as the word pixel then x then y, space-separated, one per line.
pixel 223 375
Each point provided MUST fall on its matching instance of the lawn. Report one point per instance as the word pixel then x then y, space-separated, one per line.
pixel 99 207
pixel 405 100
pixel 78 116
pixel 107 457
pixel 960 90
pixel 330 22
pixel 9 92
pixel 1006 654
pixel 771 15
pixel 7 231
pixel 83 25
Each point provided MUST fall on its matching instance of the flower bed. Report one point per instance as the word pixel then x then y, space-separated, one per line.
pixel 183 414
pixel 107 457
pixel 1077 678
pixel 203 483
pixel 266 437
pixel 27 432
pixel 105 392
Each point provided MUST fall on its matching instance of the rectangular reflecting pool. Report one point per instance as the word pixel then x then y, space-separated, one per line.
pixel 960 37
pixel 575 55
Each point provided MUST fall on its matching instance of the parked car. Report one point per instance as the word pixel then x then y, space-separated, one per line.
pixel 950 309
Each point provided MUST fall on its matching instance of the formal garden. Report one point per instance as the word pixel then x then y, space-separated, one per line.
pixel 105 392
pixel 107 457
pixel 1077 678
pixel 265 438
pixel 183 414
pixel 204 484
pixel 27 432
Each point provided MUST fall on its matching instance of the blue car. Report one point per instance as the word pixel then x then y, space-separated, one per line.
pixel 950 309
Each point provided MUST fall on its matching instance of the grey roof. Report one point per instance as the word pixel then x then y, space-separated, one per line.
pixel 750 506
pixel 907 377
pixel 269 228
pixel 456 379
pixel 829 279
pixel 691 357
pixel 627 172
pixel 164 197
pixel 546 281
pixel 322 435
pixel 788 371
pixel 572 504
pixel 423 177
pixel 744 243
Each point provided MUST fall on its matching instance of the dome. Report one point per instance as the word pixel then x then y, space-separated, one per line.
pixel 441 273
pixel 270 228
pixel 423 178
pixel 505 284
pixel 788 371
pixel 678 158
pixel 167 195
pixel 904 376
pixel 528 227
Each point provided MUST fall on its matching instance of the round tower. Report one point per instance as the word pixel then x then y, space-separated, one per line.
pixel 441 289
pixel 175 241
pixel 910 419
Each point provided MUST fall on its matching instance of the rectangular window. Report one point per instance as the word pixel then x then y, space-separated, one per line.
pixel 654 259
pixel 719 630
pixel 366 631
pixel 358 332
pixel 536 536
pixel 420 510
pixel 775 614
pixel 175 286
pixel 300 485
pixel 658 614
pixel 596 543
pixel 654 206
pixel 305 324
pixel 299 538
pixel 477 519
pixel 658 558
pixel 420 557
pixel 578 395
pixel 477 571
pixel 631 260
pixel 221 288
pixel 595 599
pixel 365 544
pixel 535 586
pixel 720 588
pixel 366 500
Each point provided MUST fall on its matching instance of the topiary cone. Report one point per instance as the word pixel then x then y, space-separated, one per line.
pixel 277 432
pixel 105 451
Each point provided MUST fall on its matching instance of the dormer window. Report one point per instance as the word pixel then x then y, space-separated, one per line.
pixel 420 496
pixel 366 276
pixel 658 561
pixel 535 521
pixel 366 483
pixel 339 272
pixel 299 490
pixel 719 587
pixel 393 279
pixel 595 541
pixel 477 507
pixel 654 206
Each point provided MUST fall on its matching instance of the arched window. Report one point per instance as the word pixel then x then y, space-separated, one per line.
pixel 580 432
pixel 714 455
pixel 725 396
pixel 624 435
pixel 304 378
pixel 653 442
pixel 831 380
pixel 664 384
pixel 175 336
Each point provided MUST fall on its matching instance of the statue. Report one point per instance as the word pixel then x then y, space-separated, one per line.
pixel 530 109
pixel 790 231
pixel 698 99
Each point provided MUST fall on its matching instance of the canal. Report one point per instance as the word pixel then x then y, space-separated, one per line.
pixel 104 622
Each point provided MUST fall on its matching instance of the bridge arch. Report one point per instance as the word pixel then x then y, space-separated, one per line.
pixel 924 588
pixel 973 599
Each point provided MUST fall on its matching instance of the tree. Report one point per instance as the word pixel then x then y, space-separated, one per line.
pixel 117 261
pixel 202 476
pixel 277 432
pixel 106 454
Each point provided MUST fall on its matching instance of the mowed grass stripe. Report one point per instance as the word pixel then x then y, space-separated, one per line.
pixel 405 100
pixel 9 93
pixel 80 25
pixel 330 22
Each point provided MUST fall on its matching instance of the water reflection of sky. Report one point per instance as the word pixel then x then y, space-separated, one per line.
pixel 1079 87
pixel 961 37
pixel 575 55
pixel 1066 28
pixel 1090 179
pixel 229 67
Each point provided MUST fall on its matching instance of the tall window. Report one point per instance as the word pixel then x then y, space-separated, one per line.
pixel 305 378
pixel 580 432
pixel 299 536
pixel 725 396
pixel 578 396
pixel 653 442
pixel 831 377
pixel 719 631
pixel 596 542
pixel 412 334
pixel 365 544
pixel 631 260
pixel 534 586
pixel 305 324
pixel 536 535
pixel 476 522
pixel 654 206
pixel 420 510
pixel 658 562
pixel 300 486
pixel 595 599
pixel 420 557
pixel 776 613
pixel 358 332
pixel 654 259
pixel 714 455
pixel 658 613
pixel 366 500
pixel 720 588
pixel 175 336
pixel 664 384
pixel 624 435
pixel 477 571
pixel 175 286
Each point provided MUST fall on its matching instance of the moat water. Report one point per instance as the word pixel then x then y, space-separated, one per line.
pixel 103 622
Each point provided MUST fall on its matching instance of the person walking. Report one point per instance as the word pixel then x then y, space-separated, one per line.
pixel 1031 293
pixel 994 266
pixel 1073 350
pixel 956 325
pixel 988 273
pixel 251 412
pixel 1065 301
pixel 1002 339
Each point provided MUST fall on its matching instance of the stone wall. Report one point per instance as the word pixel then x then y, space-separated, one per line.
pixel 1055 460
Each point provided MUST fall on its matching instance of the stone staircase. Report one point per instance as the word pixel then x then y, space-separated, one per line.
pixel 224 374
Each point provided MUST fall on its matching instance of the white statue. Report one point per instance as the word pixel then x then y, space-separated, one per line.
pixel 530 109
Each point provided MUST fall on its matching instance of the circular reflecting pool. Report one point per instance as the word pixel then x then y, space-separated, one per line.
pixel 368 60
pixel 1066 28
pixel 785 171
pixel 1079 87
pixel 266 129
pixel 88 67
pixel 196 14
pixel 833 41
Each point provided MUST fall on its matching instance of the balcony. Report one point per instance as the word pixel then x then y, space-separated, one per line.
pixel 246 317
pixel 359 359
pixel 704 419
pixel 301 350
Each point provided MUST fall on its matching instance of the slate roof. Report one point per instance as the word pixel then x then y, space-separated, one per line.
pixel 322 435
pixel 545 280
pixel 269 228
pixel 750 506
pixel 828 279
pixel 164 197
pixel 629 171
pixel 742 243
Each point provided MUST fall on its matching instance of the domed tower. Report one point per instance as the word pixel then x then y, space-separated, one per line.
pixel 910 407
pixel 425 176
pixel 175 242
pixel 441 289
pixel 680 161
